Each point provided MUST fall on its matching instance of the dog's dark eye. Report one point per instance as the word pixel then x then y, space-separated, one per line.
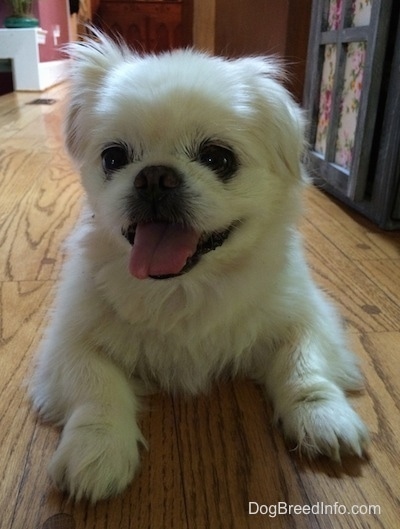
pixel 219 159
pixel 113 158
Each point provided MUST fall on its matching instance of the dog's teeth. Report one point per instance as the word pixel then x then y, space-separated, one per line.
pixel 129 233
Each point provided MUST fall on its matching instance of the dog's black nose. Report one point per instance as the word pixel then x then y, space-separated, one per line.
pixel 158 194
pixel 155 180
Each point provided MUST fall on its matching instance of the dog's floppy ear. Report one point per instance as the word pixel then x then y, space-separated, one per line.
pixel 91 61
pixel 280 117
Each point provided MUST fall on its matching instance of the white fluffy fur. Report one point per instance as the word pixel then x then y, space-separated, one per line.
pixel 248 307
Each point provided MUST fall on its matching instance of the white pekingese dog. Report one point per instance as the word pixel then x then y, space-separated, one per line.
pixel 187 263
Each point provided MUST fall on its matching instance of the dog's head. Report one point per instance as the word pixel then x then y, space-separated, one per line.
pixel 186 158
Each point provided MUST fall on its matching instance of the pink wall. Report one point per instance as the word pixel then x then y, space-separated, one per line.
pixel 53 15
pixel 4 12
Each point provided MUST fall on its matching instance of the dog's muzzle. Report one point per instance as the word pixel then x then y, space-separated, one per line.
pixel 164 242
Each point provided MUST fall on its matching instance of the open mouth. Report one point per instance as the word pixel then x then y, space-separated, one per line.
pixel 162 250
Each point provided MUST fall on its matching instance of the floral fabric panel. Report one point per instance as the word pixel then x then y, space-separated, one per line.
pixel 350 103
pixel 325 99
pixel 351 85
pixel 361 12
pixel 335 14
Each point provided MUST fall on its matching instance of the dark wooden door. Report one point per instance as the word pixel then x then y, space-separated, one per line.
pixel 147 26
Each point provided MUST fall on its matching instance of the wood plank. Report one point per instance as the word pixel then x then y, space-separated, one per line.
pixel 226 440
pixel 155 499
pixel 385 274
pixel 22 309
pixel 41 206
pixel 352 234
pixel 363 304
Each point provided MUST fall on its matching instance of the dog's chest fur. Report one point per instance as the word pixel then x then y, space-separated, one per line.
pixel 180 334
pixel 186 356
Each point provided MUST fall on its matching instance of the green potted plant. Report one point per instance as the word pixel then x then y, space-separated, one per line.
pixel 21 16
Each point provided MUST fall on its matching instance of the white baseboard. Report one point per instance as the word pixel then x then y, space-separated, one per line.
pixel 51 73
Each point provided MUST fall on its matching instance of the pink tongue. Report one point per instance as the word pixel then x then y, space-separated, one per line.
pixel 161 249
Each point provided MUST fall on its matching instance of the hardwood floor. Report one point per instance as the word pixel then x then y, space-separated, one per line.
pixel 208 456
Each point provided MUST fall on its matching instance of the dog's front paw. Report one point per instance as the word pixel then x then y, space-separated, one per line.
pixel 325 427
pixel 96 458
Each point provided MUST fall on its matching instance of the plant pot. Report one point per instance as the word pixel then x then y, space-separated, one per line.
pixel 21 21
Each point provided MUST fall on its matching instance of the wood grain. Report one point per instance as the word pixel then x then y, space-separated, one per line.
pixel 211 455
